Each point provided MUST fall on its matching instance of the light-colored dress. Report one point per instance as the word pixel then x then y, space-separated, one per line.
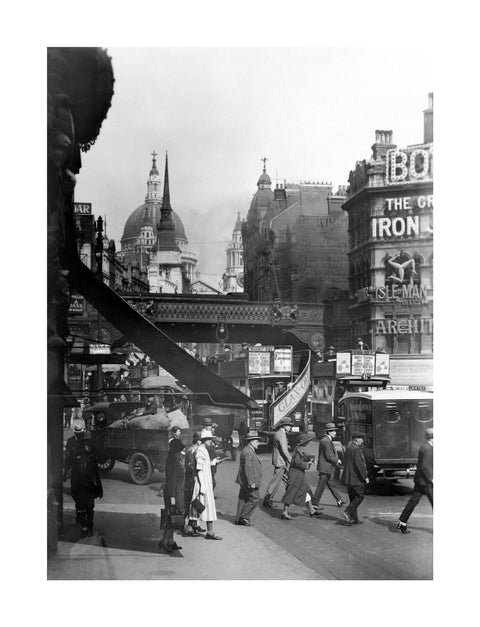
pixel 203 483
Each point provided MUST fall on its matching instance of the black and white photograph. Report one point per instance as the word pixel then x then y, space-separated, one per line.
pixel 240 313
pixel 239 358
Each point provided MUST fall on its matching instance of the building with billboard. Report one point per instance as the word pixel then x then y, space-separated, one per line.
pixel 390 225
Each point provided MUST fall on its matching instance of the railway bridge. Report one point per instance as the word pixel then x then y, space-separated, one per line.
pixel 213 318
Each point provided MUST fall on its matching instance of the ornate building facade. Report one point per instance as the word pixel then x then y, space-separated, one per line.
pixel 390 212
pixel 295 243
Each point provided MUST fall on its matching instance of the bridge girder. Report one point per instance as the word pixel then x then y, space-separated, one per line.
pixel 196 318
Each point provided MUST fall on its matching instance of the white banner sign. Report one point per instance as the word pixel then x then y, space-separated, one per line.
pixel 288 402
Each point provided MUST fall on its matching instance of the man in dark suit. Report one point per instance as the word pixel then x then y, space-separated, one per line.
pixel 327 463
pixel 354 477
pixel 249 477
pixel 281 459
pixel 423 481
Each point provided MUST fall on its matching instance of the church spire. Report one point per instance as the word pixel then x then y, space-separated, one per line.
pixel 166 226
pixel 166 189
pixel 238 223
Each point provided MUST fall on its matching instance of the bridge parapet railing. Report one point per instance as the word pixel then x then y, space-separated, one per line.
pixel 175 310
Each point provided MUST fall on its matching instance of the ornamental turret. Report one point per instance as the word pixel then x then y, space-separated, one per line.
pixel 154 184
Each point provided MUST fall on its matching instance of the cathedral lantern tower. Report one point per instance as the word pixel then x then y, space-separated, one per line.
pixel 154 184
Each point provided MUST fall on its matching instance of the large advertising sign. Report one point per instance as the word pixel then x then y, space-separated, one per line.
pixel 282 360
pixel 288 402
pixel 259 360
pixel 83 208
pixel 363 365
pixel 270 360
pixel 77 304
pixel 398 219
pixel 405 166
pixel 360 363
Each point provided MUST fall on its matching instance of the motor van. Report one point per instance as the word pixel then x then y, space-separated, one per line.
pixel 393 423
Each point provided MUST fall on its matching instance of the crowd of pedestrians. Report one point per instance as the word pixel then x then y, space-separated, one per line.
pixel 189 479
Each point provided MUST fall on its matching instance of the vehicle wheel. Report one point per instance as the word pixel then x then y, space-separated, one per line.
pixel 233 453
pixel 106 465
pixel 140 468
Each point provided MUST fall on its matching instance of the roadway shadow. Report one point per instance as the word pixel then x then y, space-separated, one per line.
pixel 117 530
pixel 391 525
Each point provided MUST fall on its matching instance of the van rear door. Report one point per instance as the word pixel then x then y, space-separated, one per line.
pixel 399 428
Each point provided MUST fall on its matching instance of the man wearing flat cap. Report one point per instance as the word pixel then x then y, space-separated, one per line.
pixel 354 477
pixel 327 463
pixel 249 477
pixel 423 481
pixel 280 459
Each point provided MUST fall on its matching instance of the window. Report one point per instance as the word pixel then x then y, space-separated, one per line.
pixel 359 411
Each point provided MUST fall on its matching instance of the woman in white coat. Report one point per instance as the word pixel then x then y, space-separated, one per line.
pixel 203 487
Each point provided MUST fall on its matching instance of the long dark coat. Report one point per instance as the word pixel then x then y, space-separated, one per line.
pixel 174 478
pixel 297 485
pixel 355 470
pixel 85 480
pixel 424 473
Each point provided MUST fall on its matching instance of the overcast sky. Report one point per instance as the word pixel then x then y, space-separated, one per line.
pixel 312 112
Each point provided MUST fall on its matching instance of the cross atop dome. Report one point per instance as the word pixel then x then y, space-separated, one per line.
pixel 264 181
pixel 154 164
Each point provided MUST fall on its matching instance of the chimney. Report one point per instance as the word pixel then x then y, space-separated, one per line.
pixel 428 121
pixel 383 142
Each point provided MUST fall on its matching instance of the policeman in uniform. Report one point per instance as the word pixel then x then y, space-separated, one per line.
pixel 85 479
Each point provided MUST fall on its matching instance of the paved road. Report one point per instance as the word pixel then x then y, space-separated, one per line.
pixel 325 548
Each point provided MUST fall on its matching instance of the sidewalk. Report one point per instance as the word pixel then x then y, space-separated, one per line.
pixel 125 546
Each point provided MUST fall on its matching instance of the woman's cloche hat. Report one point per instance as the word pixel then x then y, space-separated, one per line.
pixel 206 434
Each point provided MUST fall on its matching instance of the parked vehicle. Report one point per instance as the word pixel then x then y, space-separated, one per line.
pixel 144 450
pixel 103 414
pixel 393 423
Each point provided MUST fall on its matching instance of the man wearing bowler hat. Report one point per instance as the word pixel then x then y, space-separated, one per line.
pixel 423 481
pixel 249 477
pixel 354 477
pixel 280 459
pixel 326 465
